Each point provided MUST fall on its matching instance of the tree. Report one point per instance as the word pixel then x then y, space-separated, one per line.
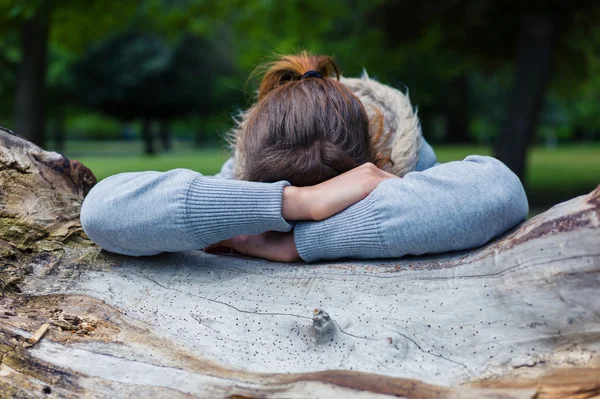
pixel 138 75
pixel 491 34
pixel 34 21
pixel 61 94
pixel 8 73
pixel 114 77
pixel 582 105
pixel 31 77
pixel 532 74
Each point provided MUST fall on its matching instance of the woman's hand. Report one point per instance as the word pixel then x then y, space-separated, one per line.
pixel 332 196
pixel 272 245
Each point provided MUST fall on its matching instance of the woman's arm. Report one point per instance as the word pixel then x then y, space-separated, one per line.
pixel 147 213
pixel 453 206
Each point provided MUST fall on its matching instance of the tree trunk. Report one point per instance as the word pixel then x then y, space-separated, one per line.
pixel 531 82
pixel 165 135
pixel 59 130
pixel 457 115
pixel 148 137
pixel 31 77
pixel 516 318
pixel 580 134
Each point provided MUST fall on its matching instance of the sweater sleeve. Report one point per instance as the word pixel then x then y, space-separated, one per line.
pixel 145 213
pixel 226 170
pixel 426 157
pixel 452 206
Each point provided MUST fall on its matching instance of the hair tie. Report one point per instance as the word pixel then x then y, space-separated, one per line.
pixel 311 74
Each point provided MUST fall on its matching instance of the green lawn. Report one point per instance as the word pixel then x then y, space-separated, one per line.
pixel 207 162
pixel 553 175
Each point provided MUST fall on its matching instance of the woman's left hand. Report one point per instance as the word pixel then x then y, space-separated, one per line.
pixel 272 245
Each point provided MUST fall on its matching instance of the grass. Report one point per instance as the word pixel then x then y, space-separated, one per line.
pixel 207 162
pixel 553 175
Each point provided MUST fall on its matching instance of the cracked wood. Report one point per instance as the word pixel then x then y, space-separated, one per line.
pixel 465 324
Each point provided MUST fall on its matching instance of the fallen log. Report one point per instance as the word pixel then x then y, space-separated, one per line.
pixel 517 318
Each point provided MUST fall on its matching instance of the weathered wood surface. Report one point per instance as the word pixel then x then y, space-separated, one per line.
pixel 517 318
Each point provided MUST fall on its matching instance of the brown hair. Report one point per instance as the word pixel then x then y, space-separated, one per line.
pixel 304 129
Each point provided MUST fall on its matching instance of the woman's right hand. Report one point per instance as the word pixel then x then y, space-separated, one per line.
pixel 324 200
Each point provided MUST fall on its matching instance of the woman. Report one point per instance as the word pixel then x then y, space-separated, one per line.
pixel 323 168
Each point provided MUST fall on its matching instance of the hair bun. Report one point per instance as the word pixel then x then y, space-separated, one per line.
pixel 297 67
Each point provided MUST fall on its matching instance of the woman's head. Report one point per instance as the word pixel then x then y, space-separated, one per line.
pixel 306 127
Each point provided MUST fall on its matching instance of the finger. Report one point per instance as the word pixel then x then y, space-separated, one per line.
pixel 245 248
pixel 226 246
pixel 242 244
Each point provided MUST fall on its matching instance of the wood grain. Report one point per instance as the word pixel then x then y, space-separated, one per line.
pixel 516 318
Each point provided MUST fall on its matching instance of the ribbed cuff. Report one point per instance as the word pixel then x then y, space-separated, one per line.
pixel 218 209
pixel 352 233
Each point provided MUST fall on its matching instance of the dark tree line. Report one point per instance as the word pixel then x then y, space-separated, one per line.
pixel 158 60
pixel 139 76
pixel 538 38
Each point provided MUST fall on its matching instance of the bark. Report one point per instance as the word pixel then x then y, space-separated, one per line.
pixel 165 135
pixel 531 82
pixel 517 318
pixel 148 137
pixel 457 114
pixel 31 77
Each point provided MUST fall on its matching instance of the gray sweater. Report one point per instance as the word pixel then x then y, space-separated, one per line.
pixel 437 208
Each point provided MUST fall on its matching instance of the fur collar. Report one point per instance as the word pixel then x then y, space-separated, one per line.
pixel 402 131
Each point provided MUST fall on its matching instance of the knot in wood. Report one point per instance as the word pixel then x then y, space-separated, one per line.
pixel 323 326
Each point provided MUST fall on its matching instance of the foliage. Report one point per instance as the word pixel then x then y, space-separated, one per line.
pixel 138 75
pixel 94 127
pixel 74 23
pixel 190 59
pixel 486 33
pixel 481 38
pixel 114 75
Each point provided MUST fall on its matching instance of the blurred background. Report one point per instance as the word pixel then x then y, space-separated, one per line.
pixel 153 84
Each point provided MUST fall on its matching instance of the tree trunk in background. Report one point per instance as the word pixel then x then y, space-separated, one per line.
pixel 531 82
pixel 31 77
pixel 165 135
pixel 147 136
pixel 579 134
pixel 59 130
pixel 457 117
